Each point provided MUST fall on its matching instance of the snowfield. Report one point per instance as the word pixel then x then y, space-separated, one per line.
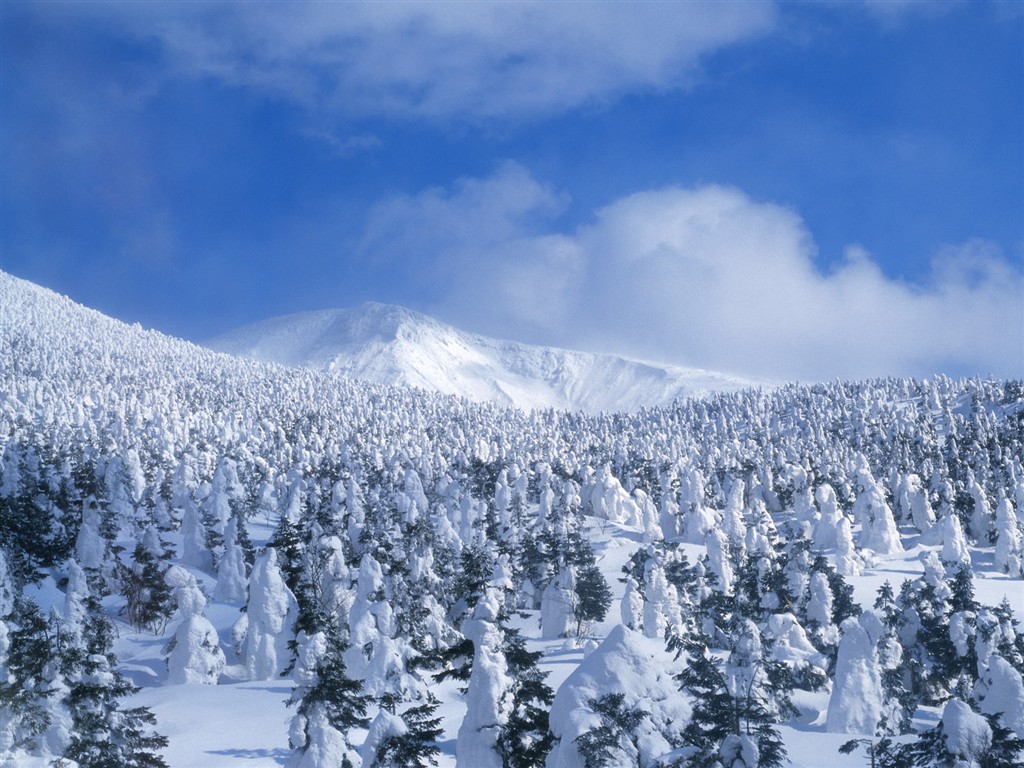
pixel 296 568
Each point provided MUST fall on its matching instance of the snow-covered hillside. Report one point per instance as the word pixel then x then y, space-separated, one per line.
pixel 750 580
pixel 393 345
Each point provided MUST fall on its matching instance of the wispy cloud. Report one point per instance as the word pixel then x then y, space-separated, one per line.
pixel 443 59
pixel 891 13
pixel 702 276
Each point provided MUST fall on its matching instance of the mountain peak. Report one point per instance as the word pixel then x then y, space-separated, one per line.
pixel 386 343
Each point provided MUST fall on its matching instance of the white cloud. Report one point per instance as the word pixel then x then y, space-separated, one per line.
pixel 702 276
pixel 440 59
pixel 483 247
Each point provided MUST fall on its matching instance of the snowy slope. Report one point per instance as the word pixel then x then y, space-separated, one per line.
pixel 389 344
pixel 146 423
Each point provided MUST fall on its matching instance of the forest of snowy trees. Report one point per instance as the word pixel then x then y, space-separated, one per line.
pixel 405 560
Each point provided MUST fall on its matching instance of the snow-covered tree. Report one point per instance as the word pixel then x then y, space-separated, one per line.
pixel 25 692
pixel 144 586
pixel 613 741
pixel 265 628
pixel 103 732
pixel 487 706
pixel 233 570
pixel 329 704
pixel 525 738
pixel 856 702
pixel 194 654
pixel 405 740
pixel 873 513
pixel 1009 554
pixel 730 724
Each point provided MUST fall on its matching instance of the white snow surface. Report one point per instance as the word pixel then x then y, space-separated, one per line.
pixel 387 344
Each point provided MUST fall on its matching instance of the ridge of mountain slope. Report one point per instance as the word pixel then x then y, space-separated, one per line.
pixel 390 344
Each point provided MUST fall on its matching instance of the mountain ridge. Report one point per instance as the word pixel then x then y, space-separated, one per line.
pixel 386 343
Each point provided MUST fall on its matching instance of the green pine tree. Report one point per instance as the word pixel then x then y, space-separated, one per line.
pixel 333 694
pixel 417 747
pixel 592 596
pixel 24 690
pixel 615 741
pixel 104 734
pixel 525 739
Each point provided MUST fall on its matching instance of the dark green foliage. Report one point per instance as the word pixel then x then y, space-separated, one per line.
pixel 963 590
pixel 482 476
pixel 898 700
pixel 289 541
pixel 719 714
pixel 689 581
pixel 613 743
pixel 339 696
pixel 930 749
pixel 636 566
pixel 314 614
pixel 104 735
pixel 149 599
pixel 417 747
pixel 130 747
pixel 1010 649
pixel 746 592
pixel 299 569
pixel 533 560
pixel 244 541
pixel 714 613
pixel 29 535
pixel 576 550
pixel 883 753
pixel 843 604
pixel 593 597
pixel 934 665
pixel 714 714
pixel 1007 750
pixel 525 740
pixel 477 565
pixel 455 661
pixel 25 694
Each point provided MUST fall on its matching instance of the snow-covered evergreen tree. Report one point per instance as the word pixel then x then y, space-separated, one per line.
pixel 487 705
pixel 233 570
pixel 856 702
pixel 103 732
pixel 266 626
pixel 329 704
pixel 405 740
pixel 613 741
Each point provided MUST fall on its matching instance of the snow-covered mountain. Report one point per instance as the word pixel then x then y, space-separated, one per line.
pixel 762 579
pixel 389 344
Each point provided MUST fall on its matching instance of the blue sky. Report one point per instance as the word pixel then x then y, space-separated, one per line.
pixel 800 190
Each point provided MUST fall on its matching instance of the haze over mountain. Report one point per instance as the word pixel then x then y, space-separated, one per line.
pixel 389 344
